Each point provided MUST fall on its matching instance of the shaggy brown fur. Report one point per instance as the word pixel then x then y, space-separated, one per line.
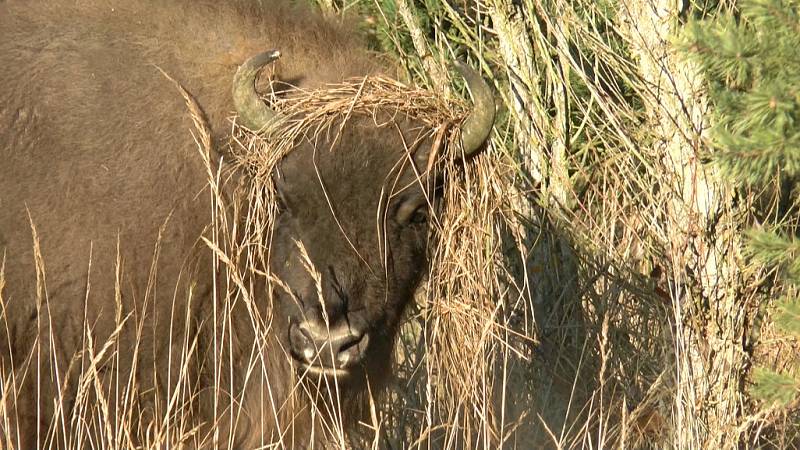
pixel 98 165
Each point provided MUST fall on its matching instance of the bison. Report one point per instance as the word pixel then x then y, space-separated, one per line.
pixel 105 213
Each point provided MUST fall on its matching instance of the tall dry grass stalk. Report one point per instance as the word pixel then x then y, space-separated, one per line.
pixel 587 289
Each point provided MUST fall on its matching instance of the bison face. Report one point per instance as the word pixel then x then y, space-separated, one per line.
pixel 349 247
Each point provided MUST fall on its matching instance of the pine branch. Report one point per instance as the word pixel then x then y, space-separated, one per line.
pixel 759 158
pixel 753 65
pixel 772 249
pixel 773 387
pixel 787 316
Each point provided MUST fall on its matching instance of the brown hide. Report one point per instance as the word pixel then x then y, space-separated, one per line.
pixel 96 152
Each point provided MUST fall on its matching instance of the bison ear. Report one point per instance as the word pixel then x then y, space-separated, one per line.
pixel 428 166
pixel 279 186
pixel 422 157
pixel 425 150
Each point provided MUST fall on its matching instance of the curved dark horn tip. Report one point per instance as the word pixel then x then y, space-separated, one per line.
pixel 478 125
pixel 253 113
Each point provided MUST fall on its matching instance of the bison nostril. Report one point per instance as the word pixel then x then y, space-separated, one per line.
pixel 352 350
pixel 301 344
pixel 338 347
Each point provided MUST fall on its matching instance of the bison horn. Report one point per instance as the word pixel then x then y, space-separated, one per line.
pixel 478 124
pixel 253 113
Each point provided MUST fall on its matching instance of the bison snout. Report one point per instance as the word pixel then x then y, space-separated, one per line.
pixel 322 349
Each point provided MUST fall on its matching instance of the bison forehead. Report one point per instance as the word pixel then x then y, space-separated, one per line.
pixel 356 169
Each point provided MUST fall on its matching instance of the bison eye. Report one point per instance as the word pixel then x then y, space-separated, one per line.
pixel 412 212
pixel 420 215
pixel 280 203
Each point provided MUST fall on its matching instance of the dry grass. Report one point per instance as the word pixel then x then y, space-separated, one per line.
pixel 622 242
pixel 587 288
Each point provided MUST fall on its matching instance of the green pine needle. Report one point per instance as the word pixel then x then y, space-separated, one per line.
pixel 771 249
pixel 773 387
pixel 787 316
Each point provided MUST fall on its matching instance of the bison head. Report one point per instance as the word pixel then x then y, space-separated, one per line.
pixel 349 246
